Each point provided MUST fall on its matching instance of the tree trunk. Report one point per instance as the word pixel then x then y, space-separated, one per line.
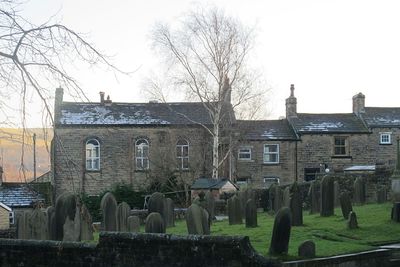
pixel 215 151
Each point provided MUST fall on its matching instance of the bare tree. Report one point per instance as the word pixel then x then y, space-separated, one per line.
pixel 207 58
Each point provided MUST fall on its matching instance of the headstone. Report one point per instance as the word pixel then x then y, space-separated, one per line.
pixel 72 227
pixel 244 195
pixel 51 222
pixel 359 191
pixel 65 208
pixel 281 232
pixel 352 221
pixel 314 194
pixel 169 212
pixel 197 220
pixel 327 191
pixel 108 206
pixel 156 203
pixel 123 211
pixel 286 197
pixel 336 194
pixel 23 230
pixel 345 204
pixel 275 197
pixel 38 224
pixel 251 214
pixel 381 195
pixel 307 249
pixel 154 223
pixel 234 210
pixel 396 212
pixel 86 224
pixel 134 224
pixel 210 206
pixel 296 205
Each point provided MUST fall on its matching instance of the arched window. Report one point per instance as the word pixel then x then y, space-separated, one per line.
pixel 92 155
pixel 142 154
pixel 182 154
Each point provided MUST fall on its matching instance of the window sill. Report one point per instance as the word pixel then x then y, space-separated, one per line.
pixel 342 157
pixel 144 170
pixel 271 163
pixel 92 171
pixel 385 144
pixel 245 160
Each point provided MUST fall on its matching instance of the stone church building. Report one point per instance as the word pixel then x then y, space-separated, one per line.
pixel 99 144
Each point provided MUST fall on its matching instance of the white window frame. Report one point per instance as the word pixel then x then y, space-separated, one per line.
pixel 269 153
pixel 181 158
pixel 270 178
pixel 241 151
pixel 141 156
pixel 341 146
pixel 382 136
pixel 12 217
pixel 92 148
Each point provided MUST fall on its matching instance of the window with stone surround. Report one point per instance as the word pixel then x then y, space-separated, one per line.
pixel 142 154
pixel 385 138
pixel 271 153
pixel 244 153
pixel 182 154
pixel 270 180
pixel 93 155
pixel 340 146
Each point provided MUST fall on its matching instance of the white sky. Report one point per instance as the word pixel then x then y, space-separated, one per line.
pixel 330 50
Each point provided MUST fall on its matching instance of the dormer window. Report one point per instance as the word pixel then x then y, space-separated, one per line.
pixel 385 138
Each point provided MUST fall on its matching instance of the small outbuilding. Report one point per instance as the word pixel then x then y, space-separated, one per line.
pixel 217 186
pixel 5 217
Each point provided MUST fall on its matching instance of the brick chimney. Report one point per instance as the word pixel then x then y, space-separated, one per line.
pixel 291 104
pixel 359 104
pixel 226 90
pixel 101 97
pixel 57 103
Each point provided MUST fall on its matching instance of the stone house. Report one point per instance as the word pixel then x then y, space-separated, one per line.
pixel 5 216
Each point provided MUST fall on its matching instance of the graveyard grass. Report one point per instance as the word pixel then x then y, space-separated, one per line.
pixel 330 234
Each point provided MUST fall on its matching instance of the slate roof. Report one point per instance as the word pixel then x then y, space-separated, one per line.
pixel 328 123
pixel 205 183
pixel 266 130
pixel 18 195
pixel 135 114
pixel 382 117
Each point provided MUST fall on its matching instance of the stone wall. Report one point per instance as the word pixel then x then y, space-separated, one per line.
pixel 4 219
pixel 128 249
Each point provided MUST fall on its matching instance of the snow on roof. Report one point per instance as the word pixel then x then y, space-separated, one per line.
pixel 361 168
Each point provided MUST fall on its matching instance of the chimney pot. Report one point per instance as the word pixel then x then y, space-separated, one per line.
pixel 101 97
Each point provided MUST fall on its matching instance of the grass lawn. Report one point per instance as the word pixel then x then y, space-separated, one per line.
pixel 330 234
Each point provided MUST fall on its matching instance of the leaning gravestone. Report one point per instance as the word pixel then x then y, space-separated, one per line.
pixel 108 206
pixel 281 232
pixel 51 223
pixel 296 205
pixel 169 212
pixel 156 203
pixel 86 224
pixel 359 191
pixel 72 227
pixel 251 214
pixel 352 221
pixel 123 211
pixel 134 224
pixel 345 204
pixel 314 194
pixel 336 194
pixel 197 220
pixel 38 224
pixel 154 223
pixel 286 196
pixel 65 208
pixel 327 205
pixel 210 205
pixel 381 195
pixel 234 210
pixel 307 249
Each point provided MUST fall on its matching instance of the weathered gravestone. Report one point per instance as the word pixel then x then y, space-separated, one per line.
pixel 65 208
pixel 210 205
pixel 281 232
pixel 38 224
pixel 86 224
pixel 359 191
pixel 352 221
pixel 336 194
pixel 72 227
pixel 345 204
pixel 108 206
pixel 327 191
pixel 275 197
pixel 296 205
pixel 197 220
pixel 244 195
pixel 381 195
pixel 154 223
pixel 134 224
pixel 251 214
pixel 123 211
pixel 307 249
pixel 156 203
pixel 51 222
pixel 234 210
pixel 396 212
pixel 286 196
pixel 314 194
pixel 169 213
pixel 23 230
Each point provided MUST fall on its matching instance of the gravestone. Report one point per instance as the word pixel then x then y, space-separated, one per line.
pixel 65 208
pixel 251 214
pixel 336 194
pixel 244 195
pixel 134 224
pixel 108 206
pixel 23 230
pixel 72 227
pixel 86 224
pixel 286 197
pixel 296 205
pixel 327 201
pixel 169 213
pixel 234 210
pixel 381 195
pixel 154 223
pixel 396 212
pixel 275 197
pixel 281 232
pixel 307 249
pixel 345 204
pixel 123 211
pixel 51 222
pixel 314 194
pixel 156 203
pixel 38 224
pixel 359 191
pixel 352 221
pixel 210 206
pixel 197 220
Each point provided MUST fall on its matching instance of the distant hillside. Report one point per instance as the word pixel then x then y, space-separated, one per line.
pixel 16 156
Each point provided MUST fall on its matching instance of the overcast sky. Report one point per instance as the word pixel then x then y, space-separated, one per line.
pixel 330 50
